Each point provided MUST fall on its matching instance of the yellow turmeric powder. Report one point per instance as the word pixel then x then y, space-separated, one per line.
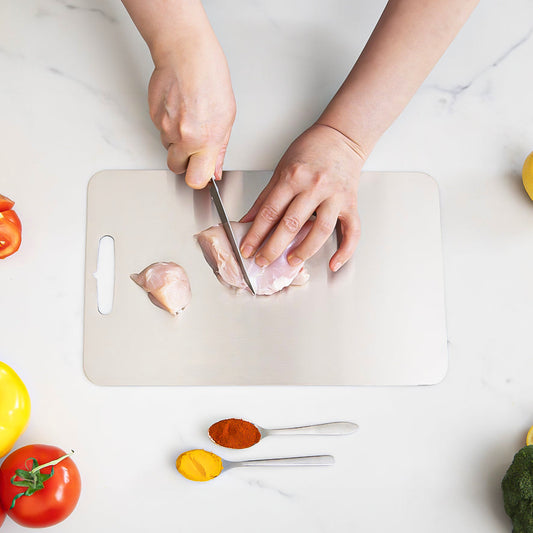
pixel 199 465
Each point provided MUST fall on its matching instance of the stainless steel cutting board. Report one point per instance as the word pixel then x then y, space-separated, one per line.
pixel 380 320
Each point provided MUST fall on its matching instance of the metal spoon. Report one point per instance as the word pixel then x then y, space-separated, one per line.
pixel 330 428
pixel 202 465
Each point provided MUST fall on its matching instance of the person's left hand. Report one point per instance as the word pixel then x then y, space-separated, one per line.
pixel 319 173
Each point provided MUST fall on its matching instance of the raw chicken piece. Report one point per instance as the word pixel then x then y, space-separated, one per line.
pixel 266 280
pixel 167 286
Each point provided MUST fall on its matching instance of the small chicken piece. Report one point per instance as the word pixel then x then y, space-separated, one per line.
pixel 167 286
pixel 266 280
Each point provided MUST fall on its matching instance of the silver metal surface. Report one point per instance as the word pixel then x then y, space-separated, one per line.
pixel 310 460
pixel 217 200
pixel 331 428
pixel 379 320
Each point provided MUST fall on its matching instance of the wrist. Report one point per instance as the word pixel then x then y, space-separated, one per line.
pixel 361 150
pixel 187 28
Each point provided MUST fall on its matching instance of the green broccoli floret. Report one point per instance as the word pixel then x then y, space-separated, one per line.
pixel 517 486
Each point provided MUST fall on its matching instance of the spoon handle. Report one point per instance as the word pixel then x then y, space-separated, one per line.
pixel 332 428
pixel 311 460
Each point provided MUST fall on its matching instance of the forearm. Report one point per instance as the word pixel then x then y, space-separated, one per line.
pixel 166 25
pixel 408 40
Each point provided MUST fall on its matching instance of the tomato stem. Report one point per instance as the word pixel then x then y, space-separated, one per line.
pixel 51 463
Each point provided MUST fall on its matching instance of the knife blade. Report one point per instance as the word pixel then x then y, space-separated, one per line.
pixel 217 200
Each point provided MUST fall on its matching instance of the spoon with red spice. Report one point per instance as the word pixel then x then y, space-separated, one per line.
pixel 236 433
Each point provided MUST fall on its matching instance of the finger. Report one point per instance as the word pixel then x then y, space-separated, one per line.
pixel 156 113
pixel 159 116
pixel 165 140
pixel 168 137
pixel 200 169
pixel 220 162
pixel 296 215
pixel 323 226
pixel 168 127
pixel 252 212
pixel 268 215
pixel 351 233
pixel 177 159
pixel 221 155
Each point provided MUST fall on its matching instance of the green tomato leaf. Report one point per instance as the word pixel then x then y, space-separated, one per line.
pixel 15 499
pixel 19 483
pixel 24 474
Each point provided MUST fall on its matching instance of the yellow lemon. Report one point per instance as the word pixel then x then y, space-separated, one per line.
pixel 529 438
pixel 527 175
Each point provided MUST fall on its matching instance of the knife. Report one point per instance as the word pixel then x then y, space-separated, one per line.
pixel 217 200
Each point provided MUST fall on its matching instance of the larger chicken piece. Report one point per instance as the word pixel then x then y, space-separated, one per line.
pixel 266 280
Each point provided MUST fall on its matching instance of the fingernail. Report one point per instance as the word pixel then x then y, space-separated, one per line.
pixel 246 251
pixel 293 260
pixel 261 261
pixel 336 266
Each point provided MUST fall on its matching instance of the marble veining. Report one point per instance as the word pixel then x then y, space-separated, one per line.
pixel 457 90
pixel 88 9
pixel 259 484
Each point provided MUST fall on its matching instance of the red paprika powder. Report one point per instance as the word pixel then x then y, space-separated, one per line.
pixel 234 433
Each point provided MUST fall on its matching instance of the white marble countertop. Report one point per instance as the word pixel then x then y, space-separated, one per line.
pixel 73 101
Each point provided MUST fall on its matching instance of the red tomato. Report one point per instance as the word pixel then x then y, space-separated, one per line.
pixel 5 203
pixel 10 233
pixel 2 516
pixel 52 503
pixel 13 217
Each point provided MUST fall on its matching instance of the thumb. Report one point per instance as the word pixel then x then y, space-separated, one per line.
pixel 200 169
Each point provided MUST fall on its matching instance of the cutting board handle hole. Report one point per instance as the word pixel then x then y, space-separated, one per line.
pixel 105 274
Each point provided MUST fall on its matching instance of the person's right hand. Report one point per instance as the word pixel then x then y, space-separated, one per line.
pixel 192 104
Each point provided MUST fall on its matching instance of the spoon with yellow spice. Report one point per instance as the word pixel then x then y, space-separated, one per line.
pixel 201 465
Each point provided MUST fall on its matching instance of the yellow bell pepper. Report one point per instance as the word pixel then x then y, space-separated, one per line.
pixel 14 408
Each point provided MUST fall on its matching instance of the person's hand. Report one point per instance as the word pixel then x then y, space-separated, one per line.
pixel 319 173
pixel 192 104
